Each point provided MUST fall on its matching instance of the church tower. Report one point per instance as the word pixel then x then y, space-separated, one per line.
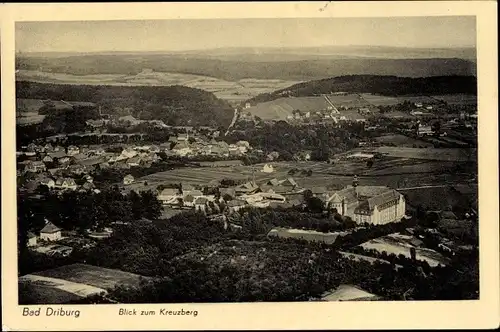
pixel 355 181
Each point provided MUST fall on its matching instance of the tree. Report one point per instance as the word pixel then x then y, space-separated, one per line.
pixel 307 194
pixel 436 128
pixel 315 205
pixel 227 197
pixel 151 205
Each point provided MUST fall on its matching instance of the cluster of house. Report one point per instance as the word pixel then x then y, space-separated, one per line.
pixel 56 167
pixel 124 121
pixel 59 162
pixel 328 115
pixel 128 121
pixel 363 204
pixel 184 145
pixel 234 198
pixel 49 233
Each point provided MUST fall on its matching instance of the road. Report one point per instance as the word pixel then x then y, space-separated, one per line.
pixel 430 186
pixel 233 121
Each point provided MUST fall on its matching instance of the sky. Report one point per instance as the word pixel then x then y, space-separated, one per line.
pixel 178 35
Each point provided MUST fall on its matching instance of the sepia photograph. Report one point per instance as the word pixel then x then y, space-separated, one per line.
pixel 243 160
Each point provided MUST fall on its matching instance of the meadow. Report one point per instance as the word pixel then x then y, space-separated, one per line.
pixel 27 111
pixel 458 99
pixel 437 199
pixel 402 141
pixel 280 108
pixel 445 154
pixel 393 172
pixel 91 275
pixel 379 100
pixel 233 91
pixel 350 100
pixel 394 244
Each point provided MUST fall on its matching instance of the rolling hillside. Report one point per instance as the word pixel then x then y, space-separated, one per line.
pixel 381 85
pixel 175 105
pixel 284 66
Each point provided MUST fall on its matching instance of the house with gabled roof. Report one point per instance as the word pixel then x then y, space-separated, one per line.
pixel 48 182
pixel 235 205
pixel 290 183
pixel 267 168
pixel 320 192
pixel 189 196
pixel 35 166
pixel 32 239
pixel 50 232
pixel 201 204
pixel 169 196
pixel 73 150
pixel 128 179
pixel 66 160
pixel 182 148
pixel 134 161
pixel 247 188
pixel 88 186
pixel 128 153
pixel 65 183
pixel 57 154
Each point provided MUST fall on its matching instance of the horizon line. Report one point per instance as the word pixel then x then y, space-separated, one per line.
pixel 254 47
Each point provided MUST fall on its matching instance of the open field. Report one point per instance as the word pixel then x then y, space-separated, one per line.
pixel 28 105
pixel 448 154
pixel 437 198
pixel 400 244
pixel 280 108
pixel 27 111
pixel 91 275
pixel 393 172
pixel 386 166
pixel 78 289
pixel 378 100
pixel 307 235
pixel 458 99
pixel 350 100
pixel 349 293
pixel 70 283
pixel 235 91
pixel 202 176
pixel 402 141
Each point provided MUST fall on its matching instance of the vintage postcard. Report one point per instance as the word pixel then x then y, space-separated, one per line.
pixel 295 165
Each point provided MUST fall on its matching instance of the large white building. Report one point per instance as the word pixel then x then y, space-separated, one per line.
pixel 369 204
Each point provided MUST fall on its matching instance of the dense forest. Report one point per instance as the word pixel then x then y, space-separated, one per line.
pixel 287 140
pixel 194 259
pixel 382 85
pixel 307 69
pixel 175 105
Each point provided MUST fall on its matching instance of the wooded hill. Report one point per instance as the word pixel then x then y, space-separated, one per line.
pixel 175 105
pixel 382 85
pixel 281 66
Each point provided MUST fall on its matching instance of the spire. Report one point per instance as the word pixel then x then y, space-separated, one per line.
pixel 355 181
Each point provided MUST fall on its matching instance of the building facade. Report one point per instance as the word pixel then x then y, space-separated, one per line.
pixel 369 204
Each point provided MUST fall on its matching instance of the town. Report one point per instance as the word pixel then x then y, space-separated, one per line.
pixel 229 175
pixel 320 199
